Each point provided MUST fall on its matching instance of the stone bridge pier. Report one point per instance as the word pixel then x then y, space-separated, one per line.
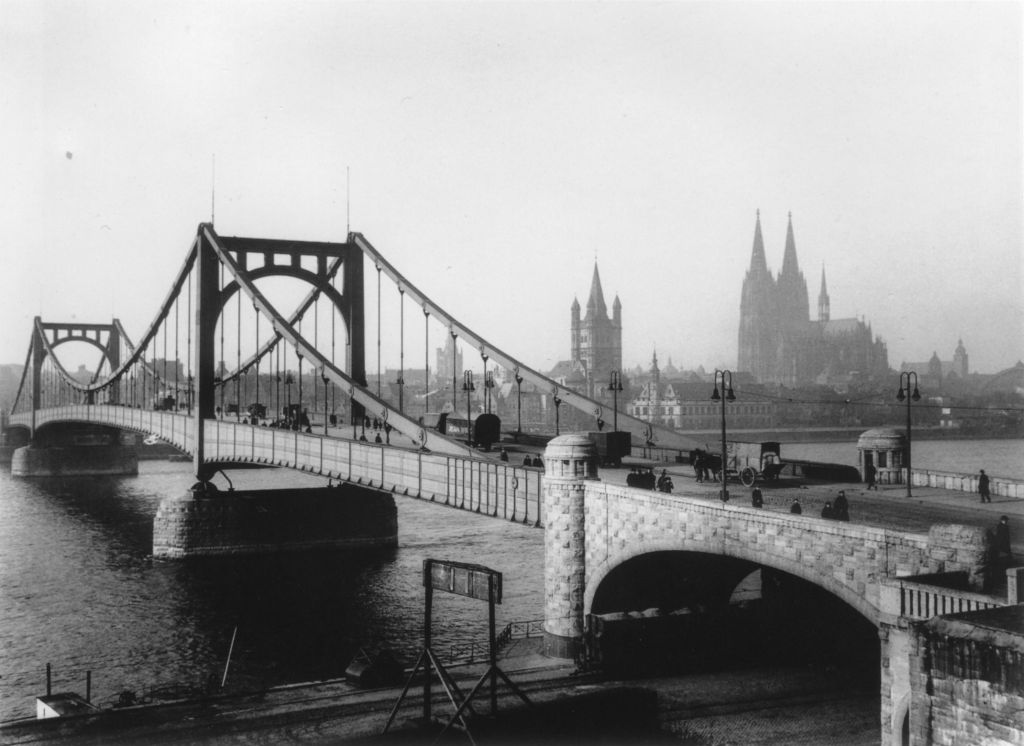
pixel 76 449
pixel 592 528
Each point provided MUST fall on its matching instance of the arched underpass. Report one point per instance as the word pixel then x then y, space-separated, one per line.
pixel 675 612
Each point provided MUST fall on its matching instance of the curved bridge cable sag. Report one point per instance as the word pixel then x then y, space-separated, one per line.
pixel 410 428
pixel 650 432
pixel 300 311
pixel 24 374
pixel 139 351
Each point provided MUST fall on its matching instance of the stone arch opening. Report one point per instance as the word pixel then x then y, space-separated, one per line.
pixel 677 611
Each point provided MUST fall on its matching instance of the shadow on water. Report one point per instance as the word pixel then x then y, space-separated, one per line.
pixel 299 616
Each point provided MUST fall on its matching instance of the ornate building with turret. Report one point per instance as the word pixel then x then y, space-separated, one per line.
pixel 778 341
pixel 595 343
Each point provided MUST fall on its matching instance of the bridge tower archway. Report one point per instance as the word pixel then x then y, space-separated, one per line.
pixel 47 336
pixel 280 258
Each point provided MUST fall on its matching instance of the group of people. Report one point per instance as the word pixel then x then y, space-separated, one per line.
pixel 837 510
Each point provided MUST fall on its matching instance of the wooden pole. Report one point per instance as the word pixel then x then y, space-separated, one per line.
pixel 227 663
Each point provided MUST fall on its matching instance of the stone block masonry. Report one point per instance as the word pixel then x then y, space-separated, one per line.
pixel 270 521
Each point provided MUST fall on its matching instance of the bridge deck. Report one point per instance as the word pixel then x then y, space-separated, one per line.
pixel 888 507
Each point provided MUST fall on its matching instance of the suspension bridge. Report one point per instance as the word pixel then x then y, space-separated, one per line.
pixel 230 378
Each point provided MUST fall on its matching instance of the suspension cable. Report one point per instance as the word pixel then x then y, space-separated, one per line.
pixel 238 358
pixel 426 360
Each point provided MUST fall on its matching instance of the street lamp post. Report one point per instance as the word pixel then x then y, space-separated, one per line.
pixel 484 379
pixel 469 388
pixel 615 386
pixel 519 405
pixel 488 390
pixel 905 394
pixel 288 381
pixel 725 376
pixel 323 375
pixel 558 404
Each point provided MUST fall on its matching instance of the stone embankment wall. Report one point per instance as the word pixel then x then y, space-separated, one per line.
pixel 947 480
pixel 269 521
pixel 970 670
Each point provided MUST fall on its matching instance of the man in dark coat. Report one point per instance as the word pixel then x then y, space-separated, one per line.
pixel 983 487
pixel 756 499
pixel 1003 539
pixel 795 508
pixel 841 508
pixel 869 477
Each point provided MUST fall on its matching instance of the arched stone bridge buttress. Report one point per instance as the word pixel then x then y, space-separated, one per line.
pixel 592 527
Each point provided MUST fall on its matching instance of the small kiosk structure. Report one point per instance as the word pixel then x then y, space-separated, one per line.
pixel 885 450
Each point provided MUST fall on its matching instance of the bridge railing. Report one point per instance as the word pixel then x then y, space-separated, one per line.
pixel 911 599
pixel 948 480
pixel 482 485
pixel 485 486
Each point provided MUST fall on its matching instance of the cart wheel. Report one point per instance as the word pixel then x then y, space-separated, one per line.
pixel 747 476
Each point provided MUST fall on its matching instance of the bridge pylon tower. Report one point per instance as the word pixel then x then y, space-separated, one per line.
pixel 47 335
pixel 282 258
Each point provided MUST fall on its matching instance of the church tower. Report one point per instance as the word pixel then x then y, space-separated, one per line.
pixel 823 310
pixel 574 327
pixel 960 360
pixel 757 349
pixel 596 338
pixel 794 309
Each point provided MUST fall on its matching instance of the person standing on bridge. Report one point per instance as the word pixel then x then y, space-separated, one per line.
pixel 983 487
pixel 795 508
pixel 841 508
pixel 756 498
pixel 869 477
pixel 1003 540
pixel 827 513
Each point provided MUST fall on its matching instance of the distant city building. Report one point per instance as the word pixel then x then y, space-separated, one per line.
pixel 940 371
pixel 449 365
pixel 686 404
pixel 778 341
pixel 595 344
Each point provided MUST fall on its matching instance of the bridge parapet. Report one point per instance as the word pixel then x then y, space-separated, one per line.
pixel 482 485
pixel 915 598
pixel 948 480
pixel 847 559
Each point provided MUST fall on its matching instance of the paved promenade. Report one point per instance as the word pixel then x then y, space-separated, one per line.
pixel 887 507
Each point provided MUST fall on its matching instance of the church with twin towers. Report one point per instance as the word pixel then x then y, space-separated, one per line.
pixel 780 343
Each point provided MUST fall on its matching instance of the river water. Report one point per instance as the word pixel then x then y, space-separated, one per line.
pixel 79 588
pixel 999 458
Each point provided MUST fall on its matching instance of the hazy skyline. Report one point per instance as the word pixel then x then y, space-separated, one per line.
pixel 497 149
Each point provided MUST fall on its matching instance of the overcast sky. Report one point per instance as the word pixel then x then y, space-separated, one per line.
pixel 497 149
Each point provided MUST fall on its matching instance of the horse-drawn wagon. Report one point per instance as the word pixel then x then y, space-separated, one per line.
pixel 752 461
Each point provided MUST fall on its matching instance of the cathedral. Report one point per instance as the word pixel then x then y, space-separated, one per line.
pixel 778 341
pixel 595 344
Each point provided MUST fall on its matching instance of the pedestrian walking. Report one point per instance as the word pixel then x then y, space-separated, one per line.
pixel 756 499
pixel 983 487
pixel 1003 539
pixel 841 508
pixel 869 477
pixel 795 508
